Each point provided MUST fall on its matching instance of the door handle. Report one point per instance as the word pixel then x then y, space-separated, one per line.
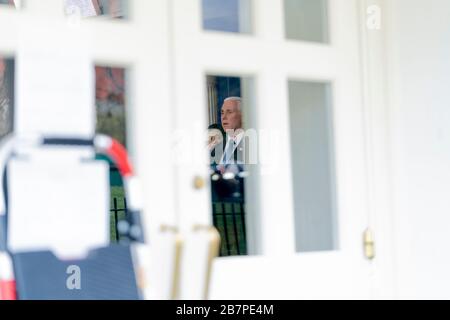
pixel 369 244
pixel 199 183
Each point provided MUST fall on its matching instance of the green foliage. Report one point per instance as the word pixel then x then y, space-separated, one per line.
pixel 112 125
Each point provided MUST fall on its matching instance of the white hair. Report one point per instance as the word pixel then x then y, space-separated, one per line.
pixel 235 99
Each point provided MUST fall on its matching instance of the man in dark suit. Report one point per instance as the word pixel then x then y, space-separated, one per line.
pixel 234 151
pixel 230 163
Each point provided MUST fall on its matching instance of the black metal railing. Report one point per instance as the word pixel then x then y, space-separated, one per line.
pixel 229 220
pixel 228 208
pixel 118 212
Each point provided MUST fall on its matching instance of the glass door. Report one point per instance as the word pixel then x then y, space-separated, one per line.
pixel 269 119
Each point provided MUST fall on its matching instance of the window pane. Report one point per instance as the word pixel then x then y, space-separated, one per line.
pixel 229 145
pixel 307 20
pixel 110 99
pixel 228 16
pixel 6 96
pixel 110 102
pixel 92 8
pixel 312 165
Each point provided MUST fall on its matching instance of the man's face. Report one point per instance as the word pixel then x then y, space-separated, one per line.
pixel 231 116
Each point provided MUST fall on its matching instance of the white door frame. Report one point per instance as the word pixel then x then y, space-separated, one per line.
pixel 271 61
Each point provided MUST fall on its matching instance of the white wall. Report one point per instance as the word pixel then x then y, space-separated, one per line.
pixel 420 127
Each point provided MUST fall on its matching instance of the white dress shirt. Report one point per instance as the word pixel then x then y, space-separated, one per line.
pixel 230 148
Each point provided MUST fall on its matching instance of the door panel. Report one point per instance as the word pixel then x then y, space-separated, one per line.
pixel 306 205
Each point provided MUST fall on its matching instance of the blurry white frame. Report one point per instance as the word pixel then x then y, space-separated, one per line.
pixel 277 271
pixel 141 45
